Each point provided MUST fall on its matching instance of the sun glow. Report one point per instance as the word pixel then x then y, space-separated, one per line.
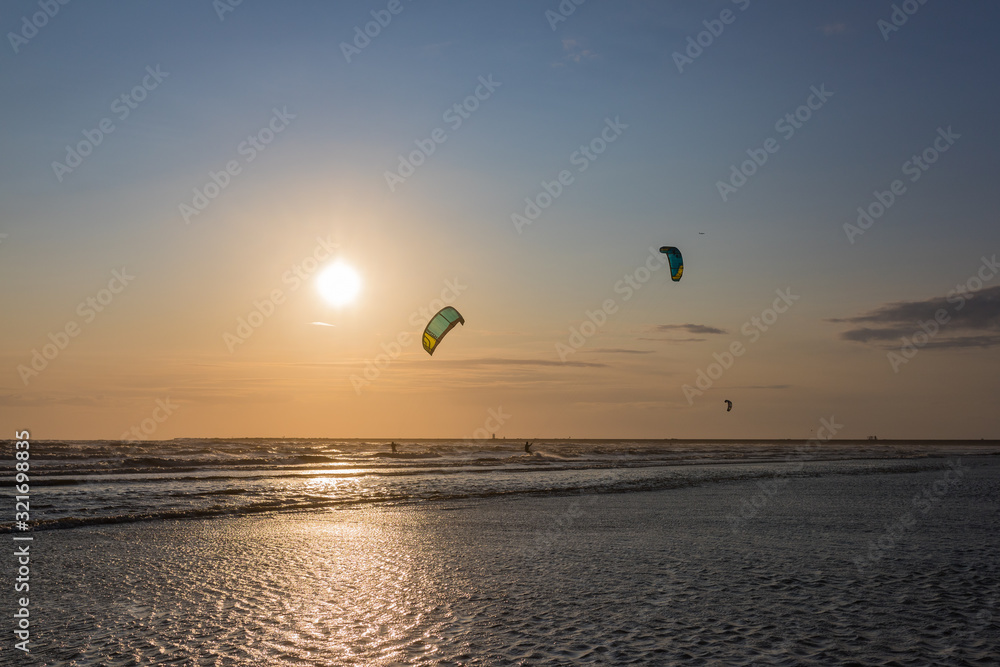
pixel 338 284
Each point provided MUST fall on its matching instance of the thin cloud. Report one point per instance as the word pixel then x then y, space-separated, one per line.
pixel 689 328
pixel 616 350
pixel 47 399
pixel 498 361
pixel 961 342
pixel 575 52
pixel 833 28
pixel 974 322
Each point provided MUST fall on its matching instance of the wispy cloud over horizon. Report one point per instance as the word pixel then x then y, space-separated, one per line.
pixel 500 361
pixel 766 386
pixel 973 321
pixel 689 328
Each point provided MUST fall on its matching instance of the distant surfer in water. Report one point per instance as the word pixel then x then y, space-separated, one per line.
pixel 393 445
pixel 527 447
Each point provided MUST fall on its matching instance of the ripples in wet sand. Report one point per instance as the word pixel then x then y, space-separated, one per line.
pixel 639 578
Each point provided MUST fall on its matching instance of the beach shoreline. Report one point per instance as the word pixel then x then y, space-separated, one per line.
pixel 643 577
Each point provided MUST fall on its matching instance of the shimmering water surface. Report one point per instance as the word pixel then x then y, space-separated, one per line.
pixel 101 482
pixel 458 553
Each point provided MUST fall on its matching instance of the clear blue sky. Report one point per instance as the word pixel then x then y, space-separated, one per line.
pixel 554 87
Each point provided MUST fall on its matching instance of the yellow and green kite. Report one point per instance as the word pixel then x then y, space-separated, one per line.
pixel 439 326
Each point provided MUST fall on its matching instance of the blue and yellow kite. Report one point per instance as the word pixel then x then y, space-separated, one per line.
pixel 676 261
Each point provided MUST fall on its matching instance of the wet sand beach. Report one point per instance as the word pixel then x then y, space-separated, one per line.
pixel 893 567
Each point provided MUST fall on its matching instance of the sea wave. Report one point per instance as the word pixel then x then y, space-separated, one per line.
pixel 363 477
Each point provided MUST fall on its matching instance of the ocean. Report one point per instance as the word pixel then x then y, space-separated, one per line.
pixel 339 552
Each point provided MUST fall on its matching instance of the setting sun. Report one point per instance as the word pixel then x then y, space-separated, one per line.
pixel 338 284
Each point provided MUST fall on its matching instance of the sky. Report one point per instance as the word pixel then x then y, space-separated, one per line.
pixel 175 176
